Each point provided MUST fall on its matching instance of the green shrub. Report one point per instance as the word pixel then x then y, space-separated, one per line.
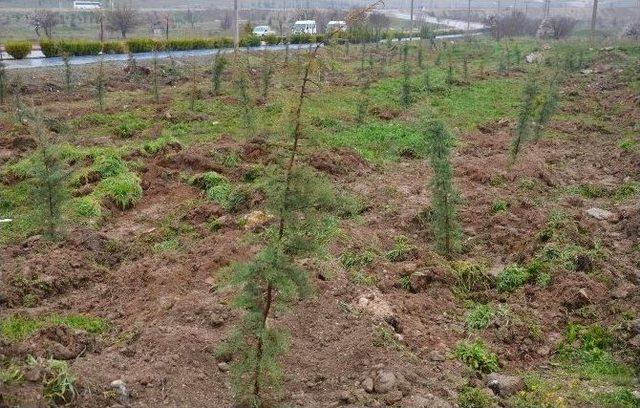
pixel 154 146
pixel 511 278
pixel 137 45
pixel 184 44
pixel 128 128
pixel 114 47
pixel 49 48
pixel 302 38
pixel 272 39
pixel 79 47
pixel 471 397
pixel 476 356
pixel 219 193
pixel 123 189
pixel 499 206
pixel 18 49
pixel 251 41
pixel 237 198
pixel 224 42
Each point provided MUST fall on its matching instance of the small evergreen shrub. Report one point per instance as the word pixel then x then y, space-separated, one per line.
pixel 251 41
pixel 49 48
pixel 88 207
pixel 18 49
pixel 138 45
pixel 79 47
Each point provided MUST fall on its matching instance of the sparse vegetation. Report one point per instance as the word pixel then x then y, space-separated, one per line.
pixel 477 357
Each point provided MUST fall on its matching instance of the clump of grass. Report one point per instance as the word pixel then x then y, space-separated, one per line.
pixel 156 145
pixel 88 207
pixel 130 127
pixel 16 328
pixel 123 189
pixel 471 397
pixel 511 278
pixel 499 206
pixel 401 250
pixel 480 316
pixel 109 165
pixel 10 374
pixel 58 382
pixel 477 356
pixel 470 277
pixel 352 259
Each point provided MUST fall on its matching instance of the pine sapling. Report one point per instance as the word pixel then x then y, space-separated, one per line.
pixel 66 59
pixel 450 79
pixel 405 98
pixel 426 79
pixel 219 65
pixel 242 89
pixel 523 126
pixel 155 79
pixel 546 110
pixel 420 56
pixel 50 177
pixel 101 88
pixel 267 76
pixel 3 83
pixel 444 196
pixel 193 88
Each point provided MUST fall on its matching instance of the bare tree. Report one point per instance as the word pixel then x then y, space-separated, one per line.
pixel 379 21
pixel 123 19
pixel 562 26
pixel 44 20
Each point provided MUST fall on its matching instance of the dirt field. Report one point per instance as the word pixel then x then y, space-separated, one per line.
pixel 384 303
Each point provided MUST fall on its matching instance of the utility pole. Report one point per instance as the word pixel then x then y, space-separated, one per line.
pixel 593 21
pixel 468 16
pixel 547 8
pixel 236 25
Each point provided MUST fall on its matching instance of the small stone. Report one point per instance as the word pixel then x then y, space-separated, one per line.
pixel 504 385
pixel 367 385
pixel 436 356
pixel 121 390
pixel 385 381
pixel 347 397
pixel 393 397
pixel 223 367
pixel 215 320
pixel 256 220
pixel 600 214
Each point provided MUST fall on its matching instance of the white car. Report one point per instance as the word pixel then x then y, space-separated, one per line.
pixel 261 31
pixel 304 27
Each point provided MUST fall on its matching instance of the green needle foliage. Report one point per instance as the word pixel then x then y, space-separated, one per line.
pixel 523 128
pixel 50 176
pixel 242 89
pixel 219 65
pixel 155 86
pixel 66 59
pixel 3 83
pixel 426 79
pixel 267 77
pixel 547 109
pixel 445 197
pixel 101 87
pixel 405 98
pixel 420 56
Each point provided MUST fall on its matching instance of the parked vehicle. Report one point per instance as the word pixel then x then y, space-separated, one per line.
pixel 336 26
pixel 305 27
pixel 261 31
pixel 87 5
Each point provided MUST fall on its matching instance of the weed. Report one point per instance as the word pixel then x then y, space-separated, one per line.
pixel 88 207
pixel 511 278
pixel 477 357
pixel 405 283
pixel 130 128
pixel 471 277
pixel 10 374
pixel 58 381
pixel 627 144
pixel 401 249
pixel 352 260
pixel 499 206
pixel 109 165
pixel 471 397
pixel 480 316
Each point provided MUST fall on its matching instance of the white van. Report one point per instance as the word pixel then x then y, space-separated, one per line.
pixel 304 27
pixel 261 31
pixel 336 26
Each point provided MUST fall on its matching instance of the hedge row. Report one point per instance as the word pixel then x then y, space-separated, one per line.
pixel 18 49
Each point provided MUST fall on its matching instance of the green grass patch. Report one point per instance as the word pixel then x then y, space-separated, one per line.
pixel 477 356
pixel 16 328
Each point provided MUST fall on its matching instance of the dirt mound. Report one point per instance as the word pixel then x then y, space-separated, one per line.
pixel 59 342
pixel 340 161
